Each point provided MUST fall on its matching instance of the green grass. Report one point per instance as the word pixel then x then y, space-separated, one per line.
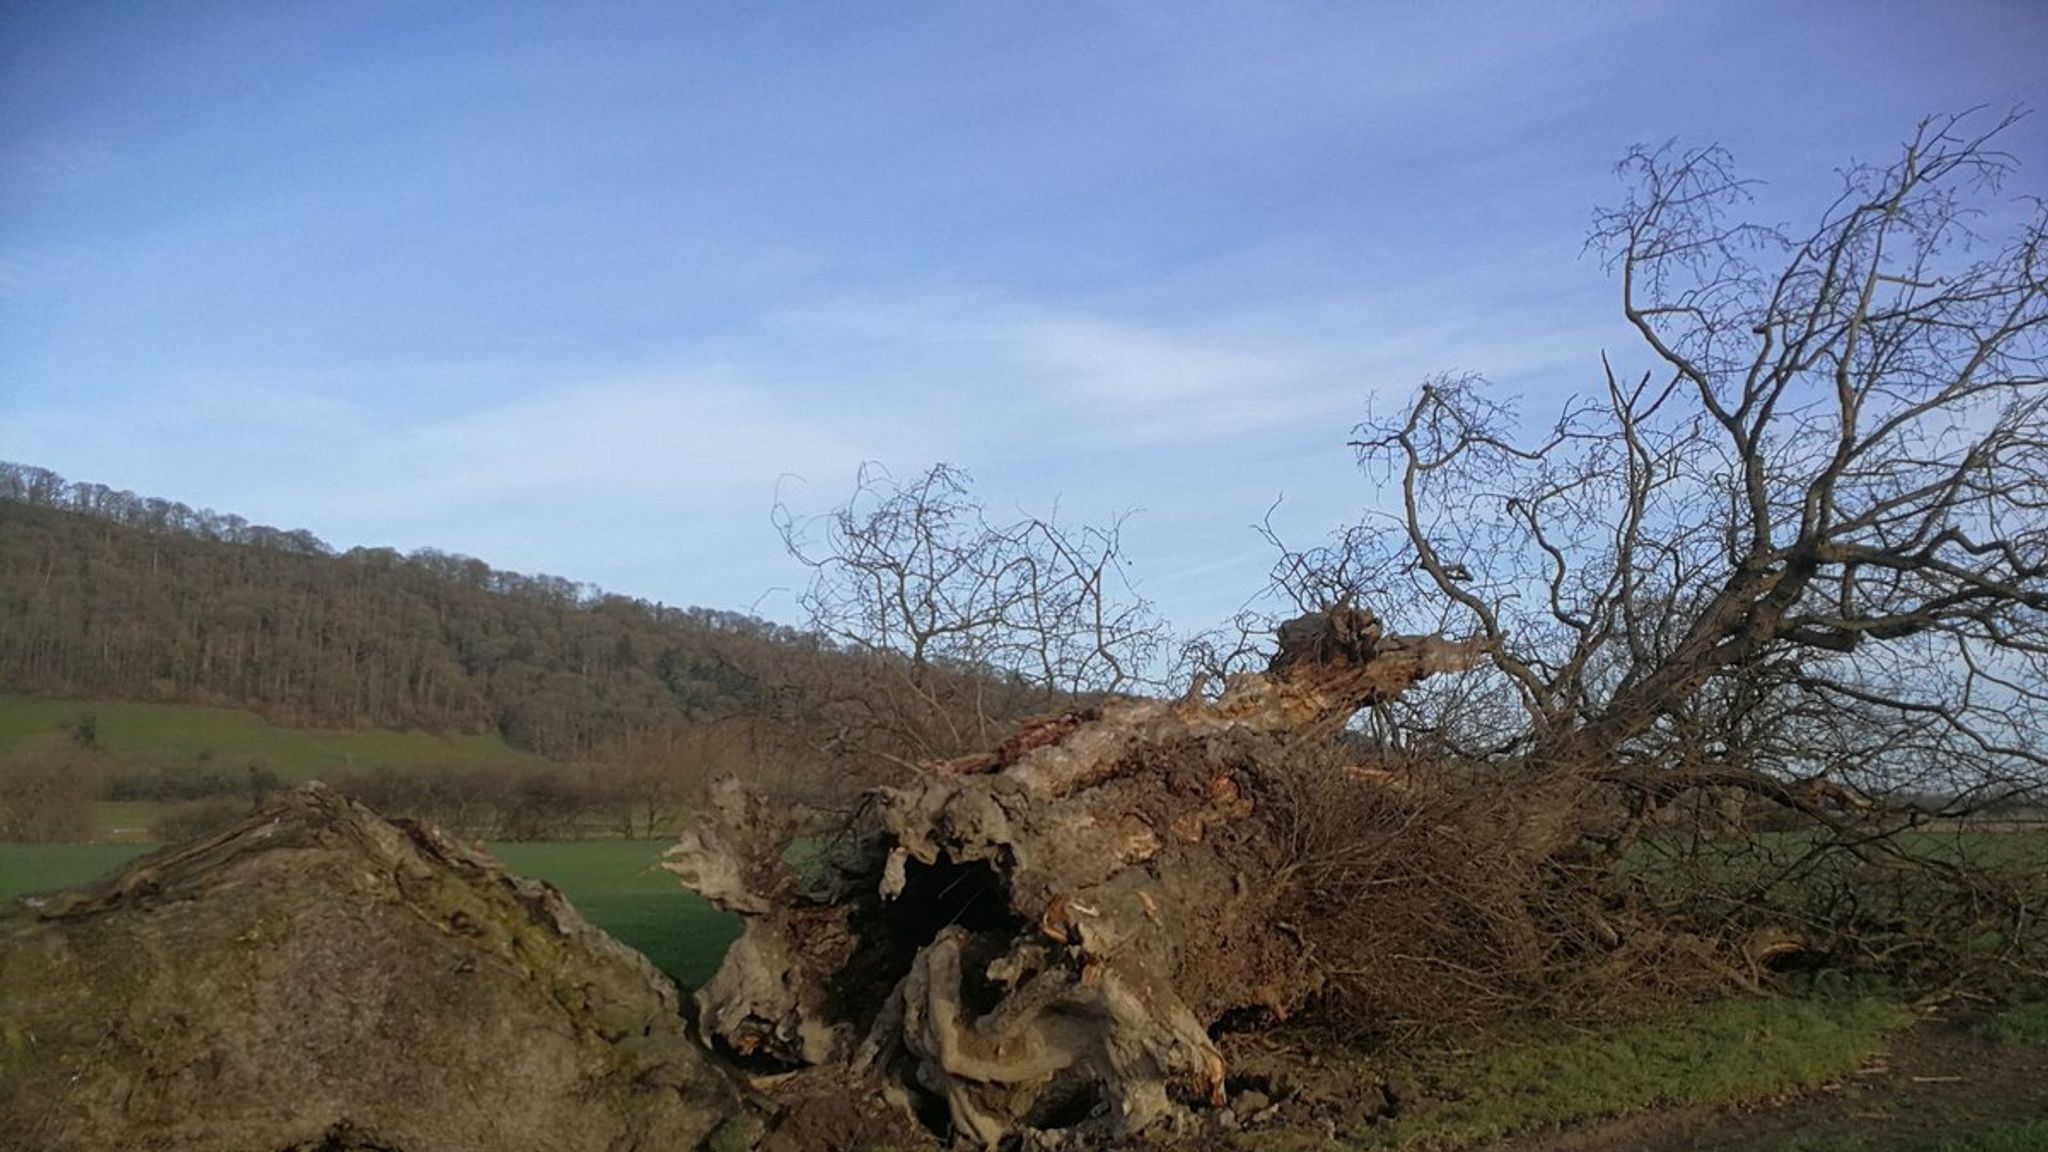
pixel 616 884
pixel 2025 1024
pixel 1711 1053
pixel 1674 860
pixel 613 882
pixel 176 735
pixel 2024 1136
pixel 42 867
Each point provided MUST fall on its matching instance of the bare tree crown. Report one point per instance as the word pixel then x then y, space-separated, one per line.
pixel 949 604
pixel 1825 501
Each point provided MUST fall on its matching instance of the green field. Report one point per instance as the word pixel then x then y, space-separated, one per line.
pixel 613 882
pixel 616 884
pixel 171 735
pixel 41 867
pixel 1544 1076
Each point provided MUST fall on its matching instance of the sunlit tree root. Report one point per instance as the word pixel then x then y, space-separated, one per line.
pixel 1043 938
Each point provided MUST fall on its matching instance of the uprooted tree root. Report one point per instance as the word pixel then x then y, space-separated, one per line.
pixel 1042 937
pixel 1050 939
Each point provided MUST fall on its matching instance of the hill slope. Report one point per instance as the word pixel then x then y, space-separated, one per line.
pixel 107 595
pixel 145 735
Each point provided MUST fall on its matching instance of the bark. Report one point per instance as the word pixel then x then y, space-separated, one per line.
pixel 1044 937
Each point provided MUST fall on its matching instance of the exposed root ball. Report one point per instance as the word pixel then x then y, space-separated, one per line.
pixel 1044 937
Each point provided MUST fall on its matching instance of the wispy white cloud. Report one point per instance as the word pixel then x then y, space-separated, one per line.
pixel 1202 421
pixel 1156 254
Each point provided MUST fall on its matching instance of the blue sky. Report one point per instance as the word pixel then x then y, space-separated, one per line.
pixel 578 288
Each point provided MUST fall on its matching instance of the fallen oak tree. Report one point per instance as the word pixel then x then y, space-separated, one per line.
pixel 1049 939
pixel 1043 937
pixel 1798 571
pixel 1736 610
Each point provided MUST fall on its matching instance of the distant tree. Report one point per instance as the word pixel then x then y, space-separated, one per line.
pixel 655 777
pixel 959 621
pixel 47 789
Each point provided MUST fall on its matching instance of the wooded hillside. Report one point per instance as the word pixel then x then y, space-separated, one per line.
pixel 107 594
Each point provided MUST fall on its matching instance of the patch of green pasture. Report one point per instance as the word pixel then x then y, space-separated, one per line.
pixel 613 882
pixel 24 716
pixel 616 884
pixel 2023 1136
pixel 1752 857
pixel 28 868
pixel 183 734
pixel 1995 845
pixel 1537 1078
pixel 2024 1024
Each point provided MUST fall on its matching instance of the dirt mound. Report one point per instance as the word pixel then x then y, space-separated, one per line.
pixel 317 977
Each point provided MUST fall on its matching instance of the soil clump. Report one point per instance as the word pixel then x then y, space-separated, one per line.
pixel 316 977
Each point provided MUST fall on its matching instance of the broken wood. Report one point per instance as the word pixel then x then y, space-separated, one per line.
pixel 1045 936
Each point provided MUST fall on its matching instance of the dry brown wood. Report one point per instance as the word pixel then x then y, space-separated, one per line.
pixel 1043 937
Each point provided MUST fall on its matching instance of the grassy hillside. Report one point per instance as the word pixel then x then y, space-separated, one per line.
pixel 179 735
pixel 76 770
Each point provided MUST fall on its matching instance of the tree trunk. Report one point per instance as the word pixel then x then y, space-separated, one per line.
pixel 1043 937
